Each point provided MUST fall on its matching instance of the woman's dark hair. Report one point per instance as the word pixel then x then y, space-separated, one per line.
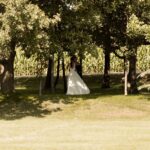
pixel 72 60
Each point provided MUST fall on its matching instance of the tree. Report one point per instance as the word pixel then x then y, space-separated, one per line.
pixel 110 32
pixel 134 35
pixel 52 10
pixel 137 34
pixel 22 25
pixel 69 35
pixel 114 33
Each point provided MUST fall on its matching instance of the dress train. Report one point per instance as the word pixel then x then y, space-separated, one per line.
pixel 75 85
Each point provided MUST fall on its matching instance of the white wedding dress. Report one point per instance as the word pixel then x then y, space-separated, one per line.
pixel 75 85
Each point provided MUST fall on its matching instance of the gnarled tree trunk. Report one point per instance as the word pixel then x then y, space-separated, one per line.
pixel 7 78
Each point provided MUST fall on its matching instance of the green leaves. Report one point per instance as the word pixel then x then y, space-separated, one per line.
pixel 46 27
pixel 134 27
pixel 27 24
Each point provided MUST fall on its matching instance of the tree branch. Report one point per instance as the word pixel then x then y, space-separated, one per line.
pixel 121 57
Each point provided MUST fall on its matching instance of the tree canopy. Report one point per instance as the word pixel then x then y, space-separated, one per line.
pixel 47 27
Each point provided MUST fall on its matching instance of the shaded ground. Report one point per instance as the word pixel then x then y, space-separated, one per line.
pixel 103 120
pixel 26 101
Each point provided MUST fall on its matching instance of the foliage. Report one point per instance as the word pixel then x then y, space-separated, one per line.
pixel 91 64
pixel 26 24
pixel 70 34
pixel 137 28
pixel 143 58
pixel 42 28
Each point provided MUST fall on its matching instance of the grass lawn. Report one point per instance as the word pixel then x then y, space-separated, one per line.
pixel 103 120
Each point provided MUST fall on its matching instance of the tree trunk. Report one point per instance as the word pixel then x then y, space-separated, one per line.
pixel 1 72
pixel 81 72
pixel 64 75
pixel 49 83
pixel 106 77
pixel 7 78
pixel 132 75
pixel 107 50
pixel 125 76
pixel 58 70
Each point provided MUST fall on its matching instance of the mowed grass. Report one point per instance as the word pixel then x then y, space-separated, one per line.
pixel 103 120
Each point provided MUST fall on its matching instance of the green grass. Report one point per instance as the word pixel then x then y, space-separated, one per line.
pixel 105 119
pixel 100 104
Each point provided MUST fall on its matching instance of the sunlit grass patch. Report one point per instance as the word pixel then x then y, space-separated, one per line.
pixel 100 104
pixel 104 119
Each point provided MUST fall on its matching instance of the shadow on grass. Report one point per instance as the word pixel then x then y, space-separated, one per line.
pixel 96 92
pixel 26 102
pixel 17 106
pixel 146 94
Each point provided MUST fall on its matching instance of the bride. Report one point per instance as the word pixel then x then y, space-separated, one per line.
pixel 75 85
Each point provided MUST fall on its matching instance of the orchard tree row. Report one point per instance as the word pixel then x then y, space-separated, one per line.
pixel 48 27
